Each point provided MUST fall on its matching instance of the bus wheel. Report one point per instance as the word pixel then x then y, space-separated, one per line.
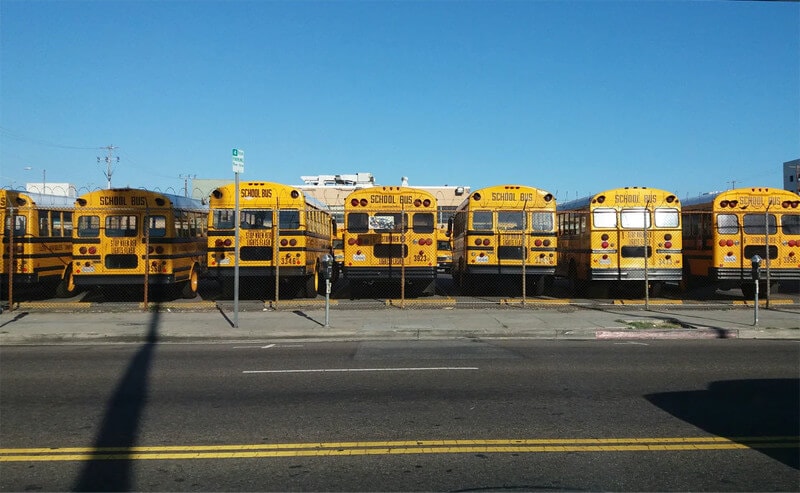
pixel 312 284
pixel 66 286
pixel 189 290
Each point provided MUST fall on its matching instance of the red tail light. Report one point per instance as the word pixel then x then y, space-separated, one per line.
pixel 604 244
pixel 228 243
pixel 538 243
pixel 292 242
pixel 82 250
pixel 667 244
pixel 486 242
pixel 363 202
pixel 284 242
pixel 546 242
pixel 478 242
pixel 351 241
pixel 92 250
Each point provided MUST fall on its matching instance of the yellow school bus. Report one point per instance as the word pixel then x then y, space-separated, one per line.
pixel 390 234
pixel 444 252
pixel 283 235
pixel 127 236
pixel 620 235
pixel 723 231
pixel 39 252
pixel 503 232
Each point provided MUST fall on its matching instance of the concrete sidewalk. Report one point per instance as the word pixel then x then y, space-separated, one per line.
pixel 563 322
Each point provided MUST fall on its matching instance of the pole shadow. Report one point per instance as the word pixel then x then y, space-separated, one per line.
pixel 760 413
pixel 121 423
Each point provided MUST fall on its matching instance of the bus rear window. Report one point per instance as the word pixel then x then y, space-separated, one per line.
pixel 120 226
pixel 88 226
pixel 727 224
pixel 541 221
pixel 422 222
pixel 754 224
pixel 667 218
pixel 604 218
pixel 635 218
pixel 791 224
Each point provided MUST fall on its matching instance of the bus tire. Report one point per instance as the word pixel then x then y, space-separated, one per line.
pixel 189 289
pixel 66 286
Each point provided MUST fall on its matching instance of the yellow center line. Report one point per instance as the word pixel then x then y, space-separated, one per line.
pixel 327 449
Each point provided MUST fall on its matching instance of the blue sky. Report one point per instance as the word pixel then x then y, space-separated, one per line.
pixel 574 97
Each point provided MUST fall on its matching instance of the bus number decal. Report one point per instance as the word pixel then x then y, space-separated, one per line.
pixel 420 258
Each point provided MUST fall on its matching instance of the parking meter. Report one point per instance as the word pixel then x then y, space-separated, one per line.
pixel 756 267
pixel 327 262
pixel 327 266
pixel 756 274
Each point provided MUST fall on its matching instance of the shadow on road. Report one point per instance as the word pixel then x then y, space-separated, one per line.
pixel 121 423
pixel 744 411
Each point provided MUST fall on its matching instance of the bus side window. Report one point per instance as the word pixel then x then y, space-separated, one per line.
pixel 44 223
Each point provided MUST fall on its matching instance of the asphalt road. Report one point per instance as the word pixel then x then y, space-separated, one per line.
pixel 449 415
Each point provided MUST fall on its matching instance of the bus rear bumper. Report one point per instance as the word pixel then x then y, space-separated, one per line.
pixel 515 270
pixel 377 274
pixel 740 275
pixel 268 272
pixel 635 275
pixel 123 280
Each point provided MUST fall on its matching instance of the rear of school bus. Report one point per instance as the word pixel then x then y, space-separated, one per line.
pixel 128 237
pixel 636 234
pixel 390 236
pixel 501 233
pixel 727 230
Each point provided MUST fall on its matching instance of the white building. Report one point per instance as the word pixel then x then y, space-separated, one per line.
pixel 62 189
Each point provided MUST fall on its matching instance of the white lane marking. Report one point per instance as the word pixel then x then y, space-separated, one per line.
pixel 255 347
pixel 629 343
pixel 345 370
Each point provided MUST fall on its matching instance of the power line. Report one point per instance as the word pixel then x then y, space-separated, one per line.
pixel 9 134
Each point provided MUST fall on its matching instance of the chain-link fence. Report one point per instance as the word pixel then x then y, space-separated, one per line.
pixel 117 261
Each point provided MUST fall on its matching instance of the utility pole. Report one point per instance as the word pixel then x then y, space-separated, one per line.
pixel 109 159
pixel 186 179
pixel 733 184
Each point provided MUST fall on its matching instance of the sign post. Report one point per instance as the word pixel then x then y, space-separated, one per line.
pixel 238 167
